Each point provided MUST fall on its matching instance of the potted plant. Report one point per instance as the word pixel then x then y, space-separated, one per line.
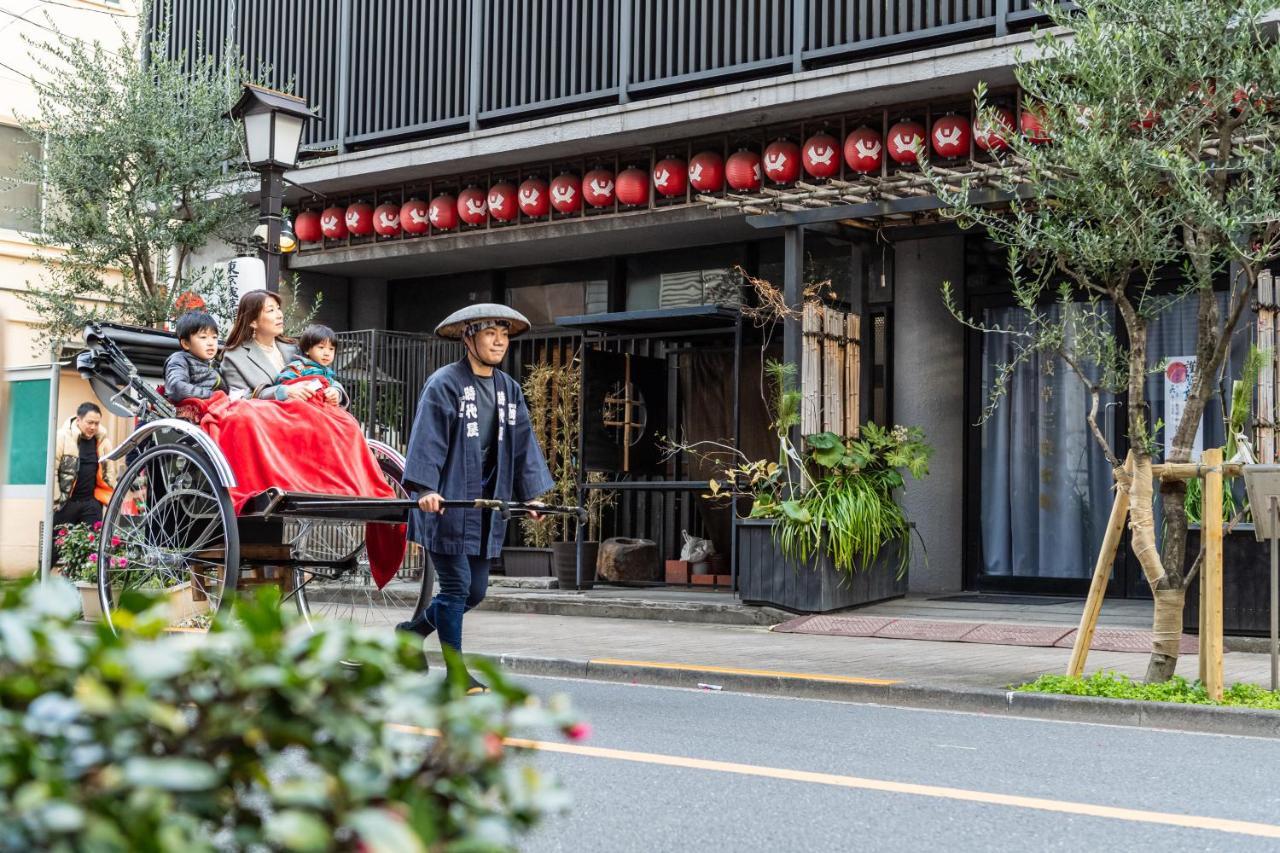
pixel 77 549
pixel 825 530
pixel 79 553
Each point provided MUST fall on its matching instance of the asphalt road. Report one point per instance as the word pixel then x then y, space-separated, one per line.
pixel 669 769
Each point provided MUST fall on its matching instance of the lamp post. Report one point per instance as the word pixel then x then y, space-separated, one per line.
pixel 271 125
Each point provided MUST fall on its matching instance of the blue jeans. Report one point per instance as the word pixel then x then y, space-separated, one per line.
pixel 462 583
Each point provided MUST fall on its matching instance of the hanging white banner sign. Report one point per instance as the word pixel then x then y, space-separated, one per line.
pixel 1179 373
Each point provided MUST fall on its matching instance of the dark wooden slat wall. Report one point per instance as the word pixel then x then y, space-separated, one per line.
pixel 411 63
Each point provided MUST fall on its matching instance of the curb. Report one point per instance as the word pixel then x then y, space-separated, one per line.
pixel 571 604
pixel 1173 716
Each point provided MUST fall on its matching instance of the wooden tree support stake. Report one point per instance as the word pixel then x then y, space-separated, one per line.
pixel 1211 574
pixel 1101 575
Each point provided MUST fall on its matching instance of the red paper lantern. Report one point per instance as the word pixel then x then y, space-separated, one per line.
pixel 952 136
pixel 533 198
pixel 994 136
pixel 864 150
pixel 743 171
pixel 566 193
pixel 670 177
pixel 415 218
pixel 903 139
pixel 819 155
pixel 1032 125
pixel 443 212
pixel 472 207
pixel 386 219
pixel 359 219
pixel 706 172
pixel 502 201
pixel 1148 120
pixel 333 223
pixel 633 187
pixel 306 227
pixel 598 187
pixel 782 161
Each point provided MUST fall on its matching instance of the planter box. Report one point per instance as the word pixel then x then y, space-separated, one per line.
pixel 1246 584
pixel 527 562
pixel 765 577
pixel 183 604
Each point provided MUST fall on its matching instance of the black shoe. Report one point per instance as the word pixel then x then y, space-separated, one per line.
pixel 474 687
pixel 421 627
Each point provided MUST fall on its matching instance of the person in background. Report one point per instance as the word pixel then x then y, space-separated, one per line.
pixel 257 350
pixel 192 372
pixel 318 346
pixel 84 481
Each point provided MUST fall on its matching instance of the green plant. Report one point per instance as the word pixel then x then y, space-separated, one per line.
pixel 1236 420
pixel 850 510
pixel 77 547
pixel 551 394
pixel 838 497
pixel 1111 685
pixel 262 736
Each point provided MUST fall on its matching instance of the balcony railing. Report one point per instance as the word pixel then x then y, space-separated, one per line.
pixel 380 70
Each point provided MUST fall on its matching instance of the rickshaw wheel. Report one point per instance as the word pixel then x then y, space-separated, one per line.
pixel 324 593
pixel 183 540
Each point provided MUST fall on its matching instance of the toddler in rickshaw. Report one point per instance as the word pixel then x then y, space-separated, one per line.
pixel 192 372
pixel 318 346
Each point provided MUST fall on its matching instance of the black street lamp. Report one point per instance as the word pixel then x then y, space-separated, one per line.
pixel 272 125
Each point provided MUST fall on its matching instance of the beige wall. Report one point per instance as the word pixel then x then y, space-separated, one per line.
pixel 22 507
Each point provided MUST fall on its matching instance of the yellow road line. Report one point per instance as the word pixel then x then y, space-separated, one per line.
pixel 733 670
pixel 1214 824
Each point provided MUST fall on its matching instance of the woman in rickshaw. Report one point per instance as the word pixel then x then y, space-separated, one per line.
pixel 288 435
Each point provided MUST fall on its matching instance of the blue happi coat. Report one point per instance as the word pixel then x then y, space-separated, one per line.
pixel 444 457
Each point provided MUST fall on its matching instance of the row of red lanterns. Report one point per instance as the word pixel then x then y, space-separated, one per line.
pixel 782 160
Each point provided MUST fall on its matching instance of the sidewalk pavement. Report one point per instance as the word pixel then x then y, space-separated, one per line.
pixel 706 646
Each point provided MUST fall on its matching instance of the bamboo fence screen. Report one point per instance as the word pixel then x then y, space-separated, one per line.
pixel 830 371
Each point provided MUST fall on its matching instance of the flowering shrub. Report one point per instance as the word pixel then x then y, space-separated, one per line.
pixel 77 549
pixel 261 735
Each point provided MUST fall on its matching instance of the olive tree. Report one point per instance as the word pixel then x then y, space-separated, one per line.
pixel 1159 162
pixel 134 152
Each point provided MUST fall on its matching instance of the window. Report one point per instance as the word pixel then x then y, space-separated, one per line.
pixel 19 201
pixel 28 432
pixel 679 279
pixel 568 290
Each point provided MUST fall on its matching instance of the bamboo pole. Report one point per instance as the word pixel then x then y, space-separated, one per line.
pixel 852 375
pixel 1211 576
pixel 1265 419
pixel 832 371
pixel 1101 574
pixel 1194 470
pixel 811 370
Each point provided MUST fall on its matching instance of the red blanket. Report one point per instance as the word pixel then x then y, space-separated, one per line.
pixel 303 446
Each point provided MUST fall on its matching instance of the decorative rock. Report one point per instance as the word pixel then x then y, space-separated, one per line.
pixel 623 559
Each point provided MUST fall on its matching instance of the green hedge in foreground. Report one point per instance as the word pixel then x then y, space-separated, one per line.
pixel 1112 685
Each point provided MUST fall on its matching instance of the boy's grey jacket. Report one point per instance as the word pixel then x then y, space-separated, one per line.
pixel 186 376
pixel 247 367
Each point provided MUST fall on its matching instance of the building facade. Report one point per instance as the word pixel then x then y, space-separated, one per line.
pixel 461 104
pixel 29 372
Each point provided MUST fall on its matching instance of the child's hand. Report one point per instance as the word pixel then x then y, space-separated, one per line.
pixel 332 397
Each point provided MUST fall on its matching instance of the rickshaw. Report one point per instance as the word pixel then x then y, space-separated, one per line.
pixel 171 525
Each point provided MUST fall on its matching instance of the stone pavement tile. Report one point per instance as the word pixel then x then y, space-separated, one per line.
pixel 1016 635
pixel 925 629
pixel 839 626
pixel 1122 640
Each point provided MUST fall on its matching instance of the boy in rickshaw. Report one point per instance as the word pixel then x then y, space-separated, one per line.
pixel 471 439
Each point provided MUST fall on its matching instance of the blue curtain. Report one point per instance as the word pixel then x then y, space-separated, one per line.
pixel 1046 485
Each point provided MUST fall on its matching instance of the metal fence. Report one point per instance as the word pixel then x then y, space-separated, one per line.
pixel 377 70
